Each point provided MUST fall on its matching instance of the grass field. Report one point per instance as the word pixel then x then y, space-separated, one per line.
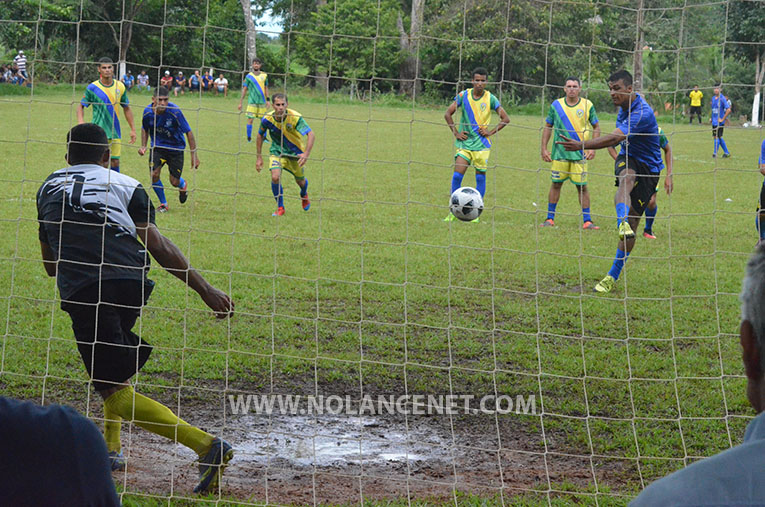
pixel 370 290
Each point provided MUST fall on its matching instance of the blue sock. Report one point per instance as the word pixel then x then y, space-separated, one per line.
pixel 621 212
pixel 181 183
pixel 116 168
pixel 724 146
pixel 650 215
pixel 717 145
pixel 249 131
pixel 619 260
pixel 480 183
pixel 276 188
pixel 551 210
pixel 304 190
pixel 757 224
pixel 159 189
pixel 456 181
pixel 586 215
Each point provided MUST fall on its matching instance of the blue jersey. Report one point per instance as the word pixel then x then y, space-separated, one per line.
pixel 762 153
pixel 719 105
pixel 642 131
pixel 167 129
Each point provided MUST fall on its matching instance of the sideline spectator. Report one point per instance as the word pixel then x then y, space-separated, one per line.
pixel 128 80
pixel 221 85
pixel 167 80
pixel 143 81
pixel 3 70
pixel 180 83
pixel 54 456
pixel 194 81
pixel 21 62
pixel 734 476
pixel 207 81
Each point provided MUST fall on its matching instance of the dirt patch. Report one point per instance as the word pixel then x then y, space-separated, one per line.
pixel 335 459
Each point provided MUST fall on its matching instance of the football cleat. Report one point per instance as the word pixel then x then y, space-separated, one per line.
pixel 211 466
pixel 306 202
pixel 625 231
pixel 548 223
pixel 279 212
pixel 450 218
pixel 648 234
pixel 476 220
pixel 589 225
pixel 116 461
pixel 726 155
pixel 605 285
pixel 163 208
pixel 183 195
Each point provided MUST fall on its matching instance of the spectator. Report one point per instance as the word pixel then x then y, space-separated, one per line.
pixel 734 476
pixel 143 81
pixel 180 84
pixel 221 85
pixel 16 76
pixel 54 455
pixel 2 74
pixel 194 81
pixel 21 61
pixel 167 80
pixel 207 81
pixel 128 80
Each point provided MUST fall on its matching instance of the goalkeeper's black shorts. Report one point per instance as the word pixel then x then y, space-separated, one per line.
pixel 103 317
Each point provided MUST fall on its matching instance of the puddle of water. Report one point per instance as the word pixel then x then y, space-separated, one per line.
pixel 325 441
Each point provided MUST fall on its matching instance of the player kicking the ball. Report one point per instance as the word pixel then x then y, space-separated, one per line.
pixel 637 168
pixel 165 123
pixel 472 138
pixel 291 143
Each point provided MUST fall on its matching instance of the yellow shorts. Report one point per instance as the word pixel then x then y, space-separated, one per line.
pixel 574 170
pixel 479 159
pixel 256 110
pixel 115 147
pixel 288 163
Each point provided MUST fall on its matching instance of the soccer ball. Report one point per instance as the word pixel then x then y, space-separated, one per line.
pixel 466 204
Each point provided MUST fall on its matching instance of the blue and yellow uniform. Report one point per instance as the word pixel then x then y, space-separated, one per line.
pixel 574 122
pixel 475 113
pixel 256 94
pixel 287 141
pixel 105 100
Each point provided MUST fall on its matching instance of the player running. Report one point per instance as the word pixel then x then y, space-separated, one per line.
pixel 104 94
pixel 164 122
pixel 255 86
pixel 291 143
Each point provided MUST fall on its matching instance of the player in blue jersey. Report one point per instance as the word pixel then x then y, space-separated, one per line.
pixel 720 111
pixel 637 168
pixel 761 208
pixel 164 122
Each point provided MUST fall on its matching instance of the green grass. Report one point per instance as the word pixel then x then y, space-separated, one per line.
pixel 371 285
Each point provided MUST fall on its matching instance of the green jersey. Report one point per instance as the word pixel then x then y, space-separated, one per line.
pixel 573 122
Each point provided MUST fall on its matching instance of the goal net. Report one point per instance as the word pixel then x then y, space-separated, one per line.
pixel 378 351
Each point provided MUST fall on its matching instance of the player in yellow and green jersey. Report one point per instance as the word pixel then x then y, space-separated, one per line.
pixel 104 95
pixel 291 143
pixel 255 86
pixel 573 117
pixel 472 137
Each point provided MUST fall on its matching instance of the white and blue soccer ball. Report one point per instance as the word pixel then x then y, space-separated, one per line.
pixel 466 204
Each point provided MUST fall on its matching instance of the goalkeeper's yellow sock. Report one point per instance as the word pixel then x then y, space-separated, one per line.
pixel 112 424
pixel 157 418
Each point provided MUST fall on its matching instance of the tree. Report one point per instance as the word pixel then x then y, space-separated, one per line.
pixel 252 32
pixel 123 13
pixel 746 27
pixel 410 46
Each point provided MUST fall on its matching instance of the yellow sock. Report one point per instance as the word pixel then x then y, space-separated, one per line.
pixel 112 424
pixel 157 418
